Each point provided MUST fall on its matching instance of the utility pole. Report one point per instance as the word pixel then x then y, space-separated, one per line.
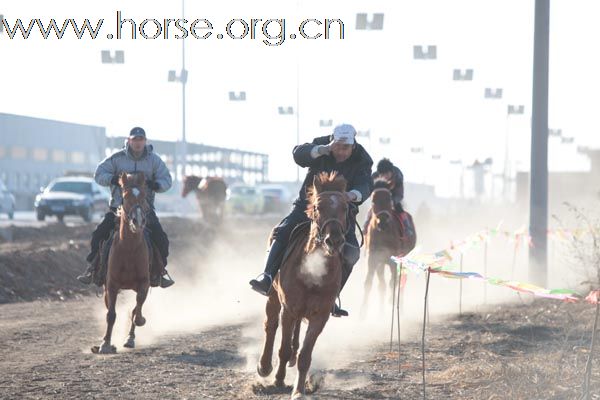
pixel 183 82
pixel 538 208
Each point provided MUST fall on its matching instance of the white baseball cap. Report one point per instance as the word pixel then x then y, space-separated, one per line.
pixel 344 133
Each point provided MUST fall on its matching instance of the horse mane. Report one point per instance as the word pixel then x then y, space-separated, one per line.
pixel 382 183
pixel 192 180
pixel 129 180
pixel 326 181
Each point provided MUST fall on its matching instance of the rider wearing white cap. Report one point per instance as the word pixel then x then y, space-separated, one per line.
pixel 336 152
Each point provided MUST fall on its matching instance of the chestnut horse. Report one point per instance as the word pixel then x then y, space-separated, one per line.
pixel 385 237
pixel 308 282
pixel 210 193
pixel 128 260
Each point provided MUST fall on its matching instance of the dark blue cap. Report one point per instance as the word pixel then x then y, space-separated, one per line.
pixel 137 132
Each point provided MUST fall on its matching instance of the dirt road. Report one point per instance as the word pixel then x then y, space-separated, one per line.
pixel 203 336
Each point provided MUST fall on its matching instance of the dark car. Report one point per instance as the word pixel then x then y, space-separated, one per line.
pixel 7 201
pixel 71 196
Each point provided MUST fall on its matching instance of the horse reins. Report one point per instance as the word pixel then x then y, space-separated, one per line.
pixel 386 212
pixel 319 237
pixel 129 214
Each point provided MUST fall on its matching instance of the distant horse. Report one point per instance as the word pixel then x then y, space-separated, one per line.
pixel 210 192
pixel 129 259
pixel 308 282
pixel 386 236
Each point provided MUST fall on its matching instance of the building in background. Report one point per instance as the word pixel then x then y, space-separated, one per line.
pixel 578 188
pixel 202 160
pixel 33 151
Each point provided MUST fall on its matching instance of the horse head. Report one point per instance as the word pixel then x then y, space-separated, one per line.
pixel 190 183
pixel 382 203
pixel 134 207
pixel 328 211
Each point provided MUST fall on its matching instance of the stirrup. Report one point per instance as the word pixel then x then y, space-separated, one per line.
pixel 166 280
pixel 258 285
pixel 337 310
pixel 86 278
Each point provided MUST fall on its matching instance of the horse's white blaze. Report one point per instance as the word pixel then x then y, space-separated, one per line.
pixel 334 201
pixel 138 215
pixel 136 192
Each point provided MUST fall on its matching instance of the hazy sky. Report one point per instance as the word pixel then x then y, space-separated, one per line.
pixel 368 79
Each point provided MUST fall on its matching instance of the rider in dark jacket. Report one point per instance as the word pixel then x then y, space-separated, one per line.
pixel 137 156
pixel 336 152
pixel 387 170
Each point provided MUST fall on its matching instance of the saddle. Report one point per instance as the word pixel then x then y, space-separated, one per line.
pixel 408 233
pixel 101 260
pixel 300 233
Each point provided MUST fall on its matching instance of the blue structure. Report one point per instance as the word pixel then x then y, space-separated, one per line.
pixel 33 151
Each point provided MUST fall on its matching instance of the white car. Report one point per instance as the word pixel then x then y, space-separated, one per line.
pixel 71 196
pixel 7 201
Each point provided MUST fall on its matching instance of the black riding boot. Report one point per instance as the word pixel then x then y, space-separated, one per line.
pixel 101 233
pixel 337 311
pixel 161 240
pixel 264 282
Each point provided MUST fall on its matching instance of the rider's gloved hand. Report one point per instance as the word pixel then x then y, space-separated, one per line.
pixel 115 180
pixel 324 150
pixel 351 196
pixel 153 185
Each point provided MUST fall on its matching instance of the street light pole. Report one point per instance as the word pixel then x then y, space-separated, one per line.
pixel 297 114
pixel 183 82
pixel 538 206
pixel 182 78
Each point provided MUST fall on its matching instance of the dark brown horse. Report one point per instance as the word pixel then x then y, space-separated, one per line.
pixel 210 192
pixel 385 237
pixel 308 282
pixel 128 260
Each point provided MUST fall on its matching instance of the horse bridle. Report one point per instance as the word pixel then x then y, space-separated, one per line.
pixel 130 214
pixel 319 239
pixel 383 212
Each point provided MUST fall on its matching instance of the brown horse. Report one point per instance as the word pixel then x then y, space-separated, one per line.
pixel 210 193
pixel 308 282
pixel 384 238
pixel 128 260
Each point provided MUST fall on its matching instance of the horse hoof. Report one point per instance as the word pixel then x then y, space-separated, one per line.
pixel 263 373
pixel 104 349
pixel 141 321
pixel 130 344
pixel 279 383
pixel 297 396
pixel 292 362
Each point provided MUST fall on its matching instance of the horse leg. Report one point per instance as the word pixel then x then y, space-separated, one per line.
pixel 130 343
pixel 110 299
pixel 265 366
pixel 136 317
pixel 368 285
pixel 315 327
pixel 295 343
pixel 140 298
pixel 285 351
